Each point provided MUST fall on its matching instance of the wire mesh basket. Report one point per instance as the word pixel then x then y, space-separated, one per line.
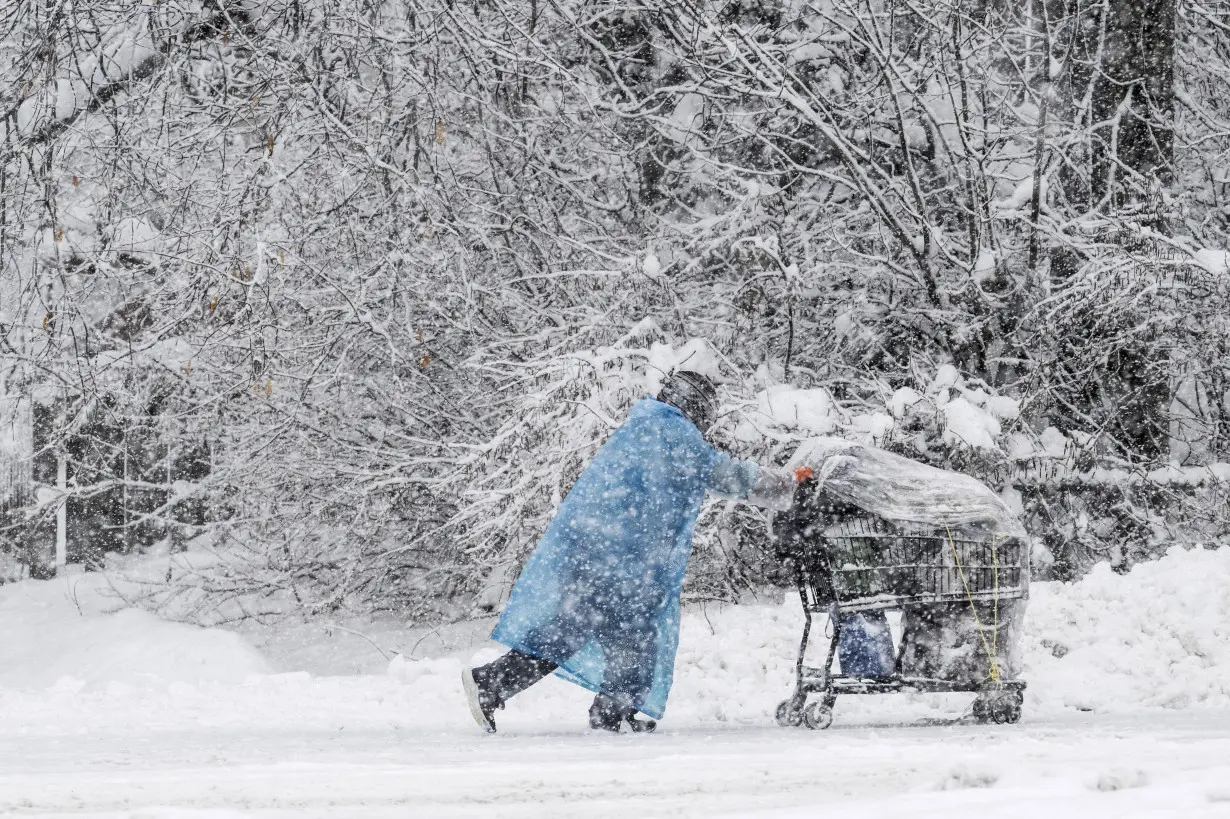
pixel 846 561
pixel 866 563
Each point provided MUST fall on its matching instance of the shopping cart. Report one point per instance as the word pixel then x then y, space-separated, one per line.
pixel 846 561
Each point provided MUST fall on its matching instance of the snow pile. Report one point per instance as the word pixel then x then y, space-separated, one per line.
pixel 695 354
pixel 735 663
pixel 809 411
pixel 967 424
pixel 964 415
pixel 971 416
pixel 54 633
pixel 1214 260
pixel 1156 637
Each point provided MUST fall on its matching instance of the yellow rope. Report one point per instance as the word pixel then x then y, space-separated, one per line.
pixel 992 655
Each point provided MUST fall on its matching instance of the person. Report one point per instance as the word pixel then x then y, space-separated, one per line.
pixel 598 600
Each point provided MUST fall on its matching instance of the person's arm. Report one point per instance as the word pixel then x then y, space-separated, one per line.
pixel 759 486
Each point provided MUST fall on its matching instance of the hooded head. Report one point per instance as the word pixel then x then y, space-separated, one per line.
pixel 692 394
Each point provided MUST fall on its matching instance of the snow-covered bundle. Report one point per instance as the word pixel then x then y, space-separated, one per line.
pixel 900 489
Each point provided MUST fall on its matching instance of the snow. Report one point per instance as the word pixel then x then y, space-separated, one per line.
pixel 1003 407
pixel 843 325
pixel 984 266
pixel 1127 714
pixel 71 95
pixel 651 266
pixel 28 115
pixel 902 400
pixel 13 432
pixel 1020 446
pixel 1213 260
pixel 696 354
pixel 968 425
pixel 811 51
pixel 1054 444
pixel 63 97
pixel 970 415
pixel 130 48
pixel 836 80
pixel 946 377
pixel 1158 637
pixel 681 125
pixel 1020 196
pixel 811 411
pixel 47 641
pixel 1066 768
pixel 872 428
pixel 134 236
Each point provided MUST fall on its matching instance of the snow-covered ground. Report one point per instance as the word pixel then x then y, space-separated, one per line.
pixel 1128 714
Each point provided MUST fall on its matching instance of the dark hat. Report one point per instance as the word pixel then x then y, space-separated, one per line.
pixel 695 395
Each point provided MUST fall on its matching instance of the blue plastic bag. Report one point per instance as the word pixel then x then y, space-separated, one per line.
pixel 600 594
pixel 865 645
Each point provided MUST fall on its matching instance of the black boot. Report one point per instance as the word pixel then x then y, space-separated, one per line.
pixel 480 698
pixel 489 686
pixel 607 714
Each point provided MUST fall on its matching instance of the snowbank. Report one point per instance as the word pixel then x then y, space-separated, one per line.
pixel 55 633
pixel 1156 637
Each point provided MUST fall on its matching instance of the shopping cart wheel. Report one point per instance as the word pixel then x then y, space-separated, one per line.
pixel 1002 708
pixel 1007 709
pixel 788 716
pixel 818 716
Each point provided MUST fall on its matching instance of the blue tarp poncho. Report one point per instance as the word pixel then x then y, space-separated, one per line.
pixel 607 574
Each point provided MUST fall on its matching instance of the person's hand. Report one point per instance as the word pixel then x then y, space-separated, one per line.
pixel 802 473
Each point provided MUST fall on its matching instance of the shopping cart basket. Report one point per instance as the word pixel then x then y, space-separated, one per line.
pixel 846 561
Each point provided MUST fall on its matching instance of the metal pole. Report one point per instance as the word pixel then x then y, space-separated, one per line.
pixel 62 512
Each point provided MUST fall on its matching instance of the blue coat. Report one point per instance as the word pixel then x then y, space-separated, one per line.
pixel 608 573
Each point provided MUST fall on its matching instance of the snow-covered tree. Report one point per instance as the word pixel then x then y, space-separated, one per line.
pixel 347 292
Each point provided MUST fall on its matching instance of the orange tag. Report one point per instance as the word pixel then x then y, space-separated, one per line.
pixel 802 473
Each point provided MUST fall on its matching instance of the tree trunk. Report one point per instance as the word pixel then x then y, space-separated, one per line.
pixel 1132 103
pixel 1124 61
